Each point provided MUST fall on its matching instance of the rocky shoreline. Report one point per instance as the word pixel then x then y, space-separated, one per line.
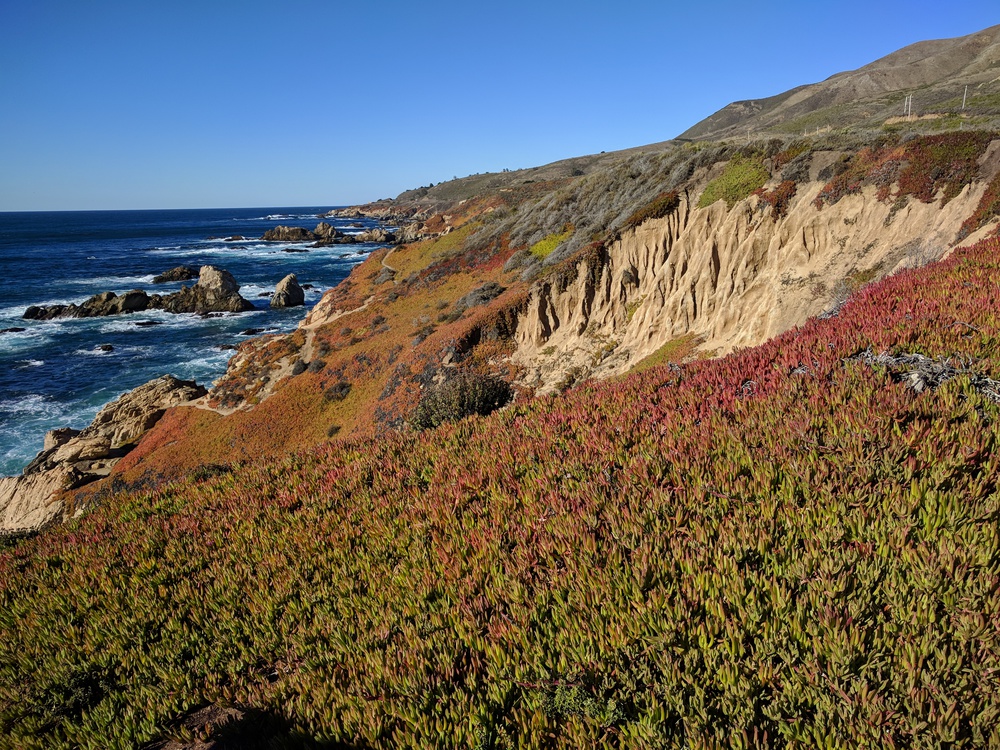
pixel 73 458
pixel 216 291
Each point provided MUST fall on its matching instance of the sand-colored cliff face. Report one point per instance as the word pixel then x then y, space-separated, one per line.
pixel 729 277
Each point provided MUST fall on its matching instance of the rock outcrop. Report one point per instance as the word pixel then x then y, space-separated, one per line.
pixel 288 293
pixel 323 229
pixel 325 234
pixel 379 235
pixel 216 291
pixel 289 234
pixel 32 501
pixel 71 458
pixel 105 303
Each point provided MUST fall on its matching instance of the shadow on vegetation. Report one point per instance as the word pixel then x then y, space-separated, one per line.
pixel 222 727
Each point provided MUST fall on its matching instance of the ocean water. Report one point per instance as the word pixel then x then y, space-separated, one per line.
pixel 55 374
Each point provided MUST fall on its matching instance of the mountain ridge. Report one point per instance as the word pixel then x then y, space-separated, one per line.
pixel 934 72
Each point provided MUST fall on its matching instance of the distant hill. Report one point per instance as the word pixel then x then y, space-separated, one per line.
pixel 934 72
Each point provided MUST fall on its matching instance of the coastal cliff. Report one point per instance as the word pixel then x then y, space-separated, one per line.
pixel 656 259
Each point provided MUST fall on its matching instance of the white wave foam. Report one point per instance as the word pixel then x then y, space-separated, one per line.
pixel 283 217
pixel 33 403
pixel 111 282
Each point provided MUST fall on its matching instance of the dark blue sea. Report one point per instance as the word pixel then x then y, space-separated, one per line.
pixel 55 374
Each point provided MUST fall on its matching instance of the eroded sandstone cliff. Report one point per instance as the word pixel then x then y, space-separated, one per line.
pixel 726 277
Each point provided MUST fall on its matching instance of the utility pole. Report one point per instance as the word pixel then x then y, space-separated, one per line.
pixel 965 96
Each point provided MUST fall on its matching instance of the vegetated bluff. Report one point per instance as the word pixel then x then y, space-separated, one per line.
pixel 664 255
pixel 792 545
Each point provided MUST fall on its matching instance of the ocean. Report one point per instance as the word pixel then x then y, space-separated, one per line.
pixel 59 373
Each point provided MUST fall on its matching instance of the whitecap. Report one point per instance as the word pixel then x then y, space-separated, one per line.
pixel 111 282
pixel 33 403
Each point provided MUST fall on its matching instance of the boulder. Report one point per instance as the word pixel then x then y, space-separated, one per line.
pixel 217 281
pixel 288 293
pixel 288 234
pixel 180 273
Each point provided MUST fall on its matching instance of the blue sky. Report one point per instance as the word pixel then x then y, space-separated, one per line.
pixel 219 104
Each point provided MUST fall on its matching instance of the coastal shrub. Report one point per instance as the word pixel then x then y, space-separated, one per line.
pixel 797 170
pixel 544 247
pixel 791 153
pixel 785 547
pixel 778 199
pixel 460 396
pixel 741 177
pixel 338 391
pixel 921 167
pixel 662 205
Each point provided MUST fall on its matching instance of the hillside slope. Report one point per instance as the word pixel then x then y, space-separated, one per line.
pixel 934 72
pixel 789 546
pixel 523 289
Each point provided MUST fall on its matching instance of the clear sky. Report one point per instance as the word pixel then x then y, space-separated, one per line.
pixel 219 103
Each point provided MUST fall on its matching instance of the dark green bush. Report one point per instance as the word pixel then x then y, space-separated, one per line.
pixel 338 392
pixel 460 396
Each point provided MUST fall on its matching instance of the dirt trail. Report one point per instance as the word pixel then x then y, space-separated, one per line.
pixel 284 370
pixel 387 266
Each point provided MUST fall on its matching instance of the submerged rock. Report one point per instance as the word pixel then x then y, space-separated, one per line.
pixel 288 293
pixel 180 273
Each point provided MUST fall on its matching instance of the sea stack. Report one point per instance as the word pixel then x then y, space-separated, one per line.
pixel 288 293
